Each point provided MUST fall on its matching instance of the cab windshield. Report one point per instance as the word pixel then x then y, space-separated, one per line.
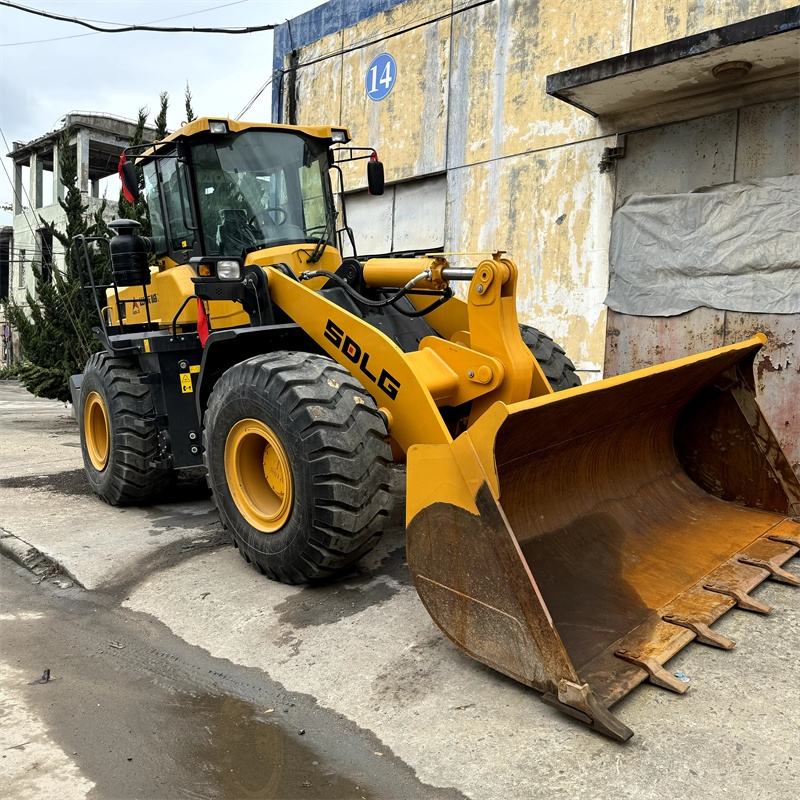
pixel 262 188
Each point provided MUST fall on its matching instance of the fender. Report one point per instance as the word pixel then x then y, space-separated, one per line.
pixel 227 347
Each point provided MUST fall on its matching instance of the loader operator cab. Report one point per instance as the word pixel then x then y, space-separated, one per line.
pixel 230 193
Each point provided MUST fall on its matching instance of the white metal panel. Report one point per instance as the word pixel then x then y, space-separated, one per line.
pixel 370 217
pixel 419 214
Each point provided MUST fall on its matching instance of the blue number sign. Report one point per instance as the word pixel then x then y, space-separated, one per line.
pixel 381 76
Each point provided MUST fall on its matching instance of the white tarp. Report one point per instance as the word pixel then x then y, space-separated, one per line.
pixel 734 247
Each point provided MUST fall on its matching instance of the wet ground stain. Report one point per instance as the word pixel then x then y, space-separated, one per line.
pixel 328 603
pixel 143 714
pixel 187 489
pixel 70 483
pixel 64 424
pixel 236 752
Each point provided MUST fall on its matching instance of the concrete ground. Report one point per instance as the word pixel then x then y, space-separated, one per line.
pixel 170 653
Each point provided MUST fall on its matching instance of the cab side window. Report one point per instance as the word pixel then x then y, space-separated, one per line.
pixel 176 204
pixel 151 198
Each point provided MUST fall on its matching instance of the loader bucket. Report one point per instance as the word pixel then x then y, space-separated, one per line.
pixel 576 542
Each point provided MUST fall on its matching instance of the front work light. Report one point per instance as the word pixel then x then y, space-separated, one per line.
pixel 218 126
pixel 229 270
pixel 339 136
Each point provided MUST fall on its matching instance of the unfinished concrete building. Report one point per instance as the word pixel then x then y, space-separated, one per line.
pixel 98 139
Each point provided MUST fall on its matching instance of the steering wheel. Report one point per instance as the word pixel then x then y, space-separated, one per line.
pixel 317 229
pixel 262 215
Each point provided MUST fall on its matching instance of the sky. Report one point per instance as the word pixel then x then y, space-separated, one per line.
pixel 121 72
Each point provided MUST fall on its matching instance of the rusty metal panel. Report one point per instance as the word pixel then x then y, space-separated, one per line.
pixel 502 53
pixel 656 21
pixel 635 342
pixel 769 140
pixel 409 125
pixel 550 211
pixel 678 157
pixel 777 373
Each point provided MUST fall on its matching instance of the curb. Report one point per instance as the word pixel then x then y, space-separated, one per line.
pixel 36 562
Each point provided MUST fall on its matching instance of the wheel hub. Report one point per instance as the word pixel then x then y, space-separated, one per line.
pixel 96 430
pixel 258 475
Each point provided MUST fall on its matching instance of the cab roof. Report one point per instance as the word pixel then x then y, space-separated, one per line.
pixel 203 125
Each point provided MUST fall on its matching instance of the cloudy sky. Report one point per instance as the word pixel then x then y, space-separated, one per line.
pixel 48 68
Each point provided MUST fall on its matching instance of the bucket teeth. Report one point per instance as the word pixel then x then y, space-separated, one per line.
pixel 655 672
pixel 743 600
pixel 776 573
pixel 577 700
pixel 794 541
pixel 702 632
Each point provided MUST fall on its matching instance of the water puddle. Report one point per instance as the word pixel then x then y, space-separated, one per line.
pixel 236 752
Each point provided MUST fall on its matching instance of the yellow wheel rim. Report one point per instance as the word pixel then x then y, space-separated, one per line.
pixel 96 430
pixel 258 475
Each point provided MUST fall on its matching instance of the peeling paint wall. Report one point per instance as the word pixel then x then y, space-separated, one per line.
pixel 550 211
pixel 657 21
pixel 501 55
pixel 521 167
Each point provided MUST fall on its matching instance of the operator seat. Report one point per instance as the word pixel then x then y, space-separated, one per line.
pixel 234 234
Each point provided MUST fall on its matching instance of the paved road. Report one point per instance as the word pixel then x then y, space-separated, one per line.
pixel 205 672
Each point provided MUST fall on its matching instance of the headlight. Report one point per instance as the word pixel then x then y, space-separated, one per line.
pixel 339 136
pixel 218 126
pixel 229 270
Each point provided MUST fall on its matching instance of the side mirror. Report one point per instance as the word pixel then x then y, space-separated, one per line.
pixel 130 181
pixel 375 179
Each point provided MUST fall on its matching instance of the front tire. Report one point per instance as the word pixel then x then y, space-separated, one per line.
pixel 299 465
pixel 557 367
pixel 119 438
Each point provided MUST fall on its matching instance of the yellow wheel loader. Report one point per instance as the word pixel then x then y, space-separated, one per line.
pixel 572 537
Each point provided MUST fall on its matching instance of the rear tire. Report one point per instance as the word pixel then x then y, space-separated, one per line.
pixel 119 438
pixel 558 369
pixel 333 494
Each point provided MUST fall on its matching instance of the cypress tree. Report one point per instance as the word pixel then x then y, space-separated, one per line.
pixel 56 332
pixel 161 118
pixel 138 209
pixel 187 97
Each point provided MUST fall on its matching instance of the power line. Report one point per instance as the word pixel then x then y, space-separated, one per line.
pixel 253 99
pixel 128 28
pixel 149 22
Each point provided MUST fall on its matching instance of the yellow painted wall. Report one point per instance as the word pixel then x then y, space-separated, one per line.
pixel 657 21
pixel 502 53
pixel 410 124
pixel 521 167
pixel 318 86
pixel 550 210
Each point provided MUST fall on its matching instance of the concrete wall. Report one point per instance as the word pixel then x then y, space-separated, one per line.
pixel 469 101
